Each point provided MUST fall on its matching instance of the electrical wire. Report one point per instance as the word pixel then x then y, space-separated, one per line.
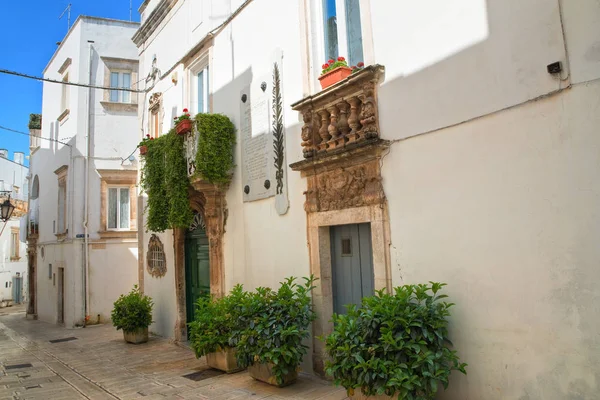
pixel 28 134
pixel 37 78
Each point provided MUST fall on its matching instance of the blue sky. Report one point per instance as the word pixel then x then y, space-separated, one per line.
pixel 29 31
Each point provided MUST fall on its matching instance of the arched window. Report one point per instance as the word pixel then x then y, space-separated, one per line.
pixel 35 189
pixel 157 262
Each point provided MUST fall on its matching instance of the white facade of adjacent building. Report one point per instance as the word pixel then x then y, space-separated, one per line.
pixel 13 248
pixel 491 174
pixel 82 206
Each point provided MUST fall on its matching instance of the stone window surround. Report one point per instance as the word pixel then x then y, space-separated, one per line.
pixel 124 178
pixel 120 64
pixel 156 249
pixel 199 61
pixel 155 107
pixel 61 174
pixel 16 251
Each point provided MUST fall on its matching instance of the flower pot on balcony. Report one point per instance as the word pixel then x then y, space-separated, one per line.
pixel 143 150
pixel 136 337
pixel 264 373
pixel 223 360
pixel 184 126
pixel 334 76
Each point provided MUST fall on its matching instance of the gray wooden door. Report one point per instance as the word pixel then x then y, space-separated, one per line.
pixel 351 265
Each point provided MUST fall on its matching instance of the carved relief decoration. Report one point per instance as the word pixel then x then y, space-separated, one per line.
pixel 342 188
pixel 155 101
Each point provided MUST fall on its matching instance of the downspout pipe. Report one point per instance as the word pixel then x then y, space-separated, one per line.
pixel 86 253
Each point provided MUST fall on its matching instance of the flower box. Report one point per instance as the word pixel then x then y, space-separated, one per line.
pixel 143 150
pixel 223 360
pixel 334 76
pixel 264 373
pixel 184 126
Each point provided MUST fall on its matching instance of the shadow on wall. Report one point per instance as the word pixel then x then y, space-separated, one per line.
pixel 459 62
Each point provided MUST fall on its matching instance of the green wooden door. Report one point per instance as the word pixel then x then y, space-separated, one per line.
pixel 197 267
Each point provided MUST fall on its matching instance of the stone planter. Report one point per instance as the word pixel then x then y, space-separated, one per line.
pixel 224 360
pixel 264 373
pixel 334 76
pixel 143 150
pixel 136 337
pixel 184 126
pixel 358 395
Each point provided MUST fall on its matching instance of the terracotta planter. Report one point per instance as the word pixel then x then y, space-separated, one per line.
pixel 136 337
pixel 184 126
pixel 264 373
pixel 334 76
pixel 143 150
pixel 224 360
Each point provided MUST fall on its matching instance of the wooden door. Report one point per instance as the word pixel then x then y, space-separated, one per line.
pixel 197 268
pixel 351 265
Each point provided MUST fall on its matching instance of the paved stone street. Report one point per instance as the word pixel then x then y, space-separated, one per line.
pixel 98 364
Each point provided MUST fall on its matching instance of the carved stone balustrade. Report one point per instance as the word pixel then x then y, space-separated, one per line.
pixel 343 115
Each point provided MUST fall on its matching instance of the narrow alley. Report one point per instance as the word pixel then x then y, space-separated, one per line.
pixel 43 361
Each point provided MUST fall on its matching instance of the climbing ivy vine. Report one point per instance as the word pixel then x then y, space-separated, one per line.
pixel 164 172
pixel 214 159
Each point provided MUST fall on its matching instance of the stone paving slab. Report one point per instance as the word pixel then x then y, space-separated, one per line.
pixel 100 365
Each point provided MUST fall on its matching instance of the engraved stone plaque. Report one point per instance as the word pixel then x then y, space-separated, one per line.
pixel 257 142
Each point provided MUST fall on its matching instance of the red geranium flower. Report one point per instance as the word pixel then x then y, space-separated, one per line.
pixel 147 136
pixel 325 66
pixel 330 61
pixel 353 67
pixel 341 59
pixel 361 64
pixel 185 110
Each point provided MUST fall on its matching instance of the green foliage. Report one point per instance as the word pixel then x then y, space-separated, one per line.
pixel 132 311
pixel 274 325
pixel 153 181
pixel 214 159
pixel 394 344
pixel 278 135
pixel 215 321
pixel 177 182
pixel 165 181
pixel 35 121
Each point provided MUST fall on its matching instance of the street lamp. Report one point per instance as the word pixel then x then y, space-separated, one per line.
pixel 6 210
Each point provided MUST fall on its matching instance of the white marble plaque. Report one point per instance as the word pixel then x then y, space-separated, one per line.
pixel 257 141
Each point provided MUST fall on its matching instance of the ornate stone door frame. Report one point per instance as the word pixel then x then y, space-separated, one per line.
pixel 344 188
pixel 209 201
pixel 320 262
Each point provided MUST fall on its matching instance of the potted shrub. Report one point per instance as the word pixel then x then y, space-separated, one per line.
pixel 215 321
pixel 143 145
pixel 334 71
pixel 275 324
pixel 183 123
pixel 133 313
pixel 394 345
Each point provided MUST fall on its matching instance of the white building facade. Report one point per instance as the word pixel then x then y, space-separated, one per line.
pixel 477 166
pixel 82 220
pixel 13 248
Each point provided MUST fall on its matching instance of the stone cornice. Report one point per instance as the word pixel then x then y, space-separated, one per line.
pixel 153 21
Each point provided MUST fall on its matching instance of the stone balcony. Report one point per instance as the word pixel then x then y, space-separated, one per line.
pixel 342 116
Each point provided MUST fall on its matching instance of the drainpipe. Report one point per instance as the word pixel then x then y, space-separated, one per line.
pixel 86 196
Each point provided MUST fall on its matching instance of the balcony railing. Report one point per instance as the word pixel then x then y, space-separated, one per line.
pixel 343 115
